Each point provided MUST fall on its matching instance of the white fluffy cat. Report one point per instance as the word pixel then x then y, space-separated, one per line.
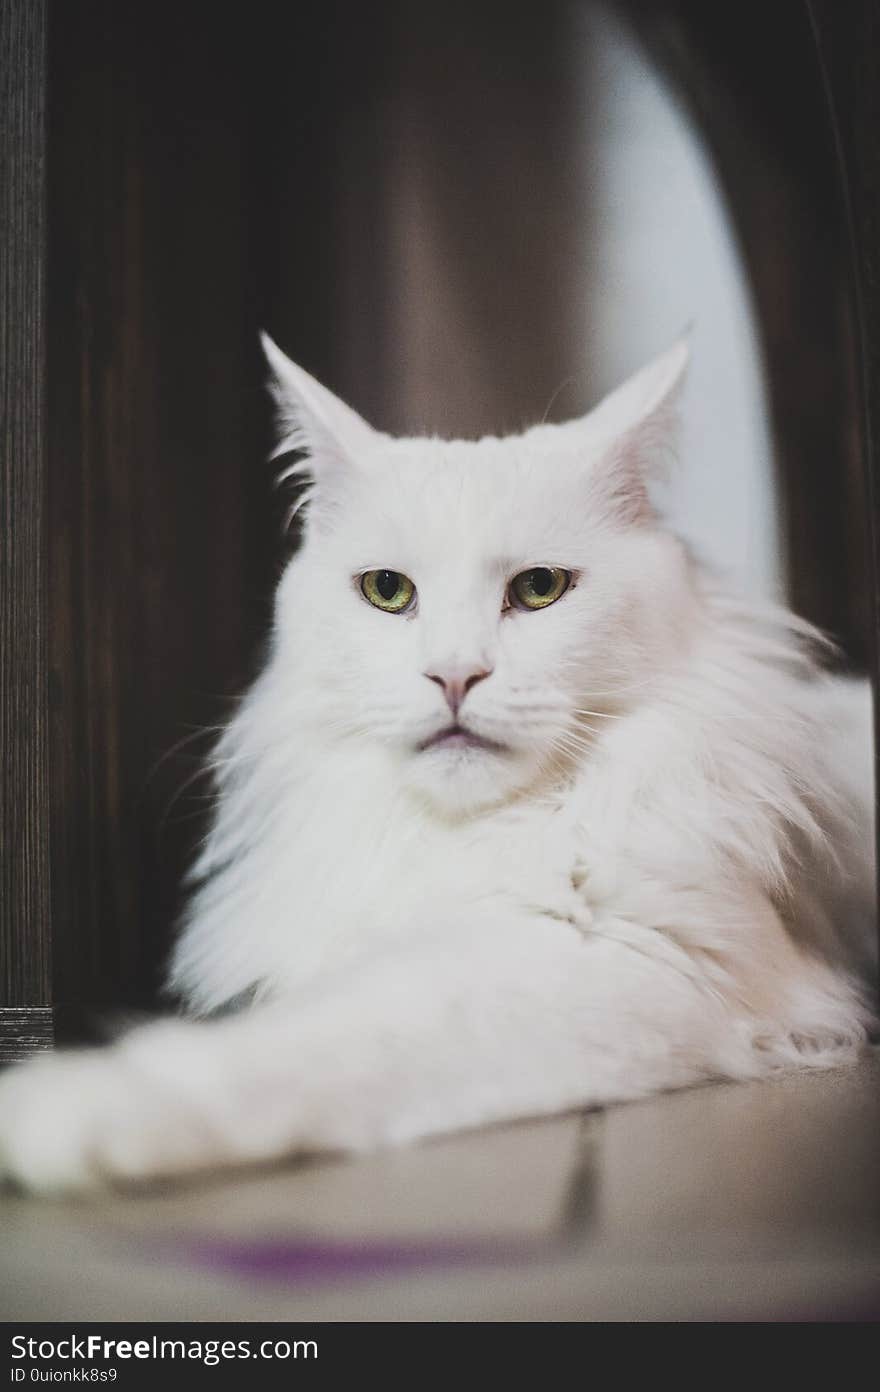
pixel 524 814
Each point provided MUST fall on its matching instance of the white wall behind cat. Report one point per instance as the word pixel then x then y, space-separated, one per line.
pixel 659 253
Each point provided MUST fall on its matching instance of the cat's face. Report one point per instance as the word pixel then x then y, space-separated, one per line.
pixel 480 609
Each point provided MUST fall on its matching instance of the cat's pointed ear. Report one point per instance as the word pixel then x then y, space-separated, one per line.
pixel 310 419
pixel 633 431
pixel 646 402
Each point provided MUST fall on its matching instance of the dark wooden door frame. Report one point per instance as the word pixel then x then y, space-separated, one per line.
pixel 848 43
pixel 25 929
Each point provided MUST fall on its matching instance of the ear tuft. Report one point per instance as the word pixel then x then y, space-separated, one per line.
pixel 631 434
pixel 646 403
pixel 310 419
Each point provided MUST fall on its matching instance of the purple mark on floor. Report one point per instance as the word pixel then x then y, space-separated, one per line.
pixel 312 1261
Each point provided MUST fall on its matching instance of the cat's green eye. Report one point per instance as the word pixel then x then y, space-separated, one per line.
pixel 388 590
pixel 536 588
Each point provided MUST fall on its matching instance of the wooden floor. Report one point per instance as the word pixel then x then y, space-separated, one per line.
pixel 740 1201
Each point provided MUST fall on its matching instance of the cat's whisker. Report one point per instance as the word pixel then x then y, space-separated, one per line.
pixel 571 745
pixel 567 382
pixel 569 742
pixel 200 732
pixel 575 740
pixel 188 783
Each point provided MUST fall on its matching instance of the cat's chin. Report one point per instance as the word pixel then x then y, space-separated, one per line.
pixel 459 778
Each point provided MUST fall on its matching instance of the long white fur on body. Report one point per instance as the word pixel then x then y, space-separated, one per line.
pixel 657 869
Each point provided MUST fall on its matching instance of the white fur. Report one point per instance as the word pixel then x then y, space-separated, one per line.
pixel 665 876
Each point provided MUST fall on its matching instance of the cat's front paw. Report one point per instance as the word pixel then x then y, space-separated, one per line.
pixel 75 1121
pixel 53 1111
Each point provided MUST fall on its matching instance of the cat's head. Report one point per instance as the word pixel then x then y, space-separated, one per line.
pixel 479 608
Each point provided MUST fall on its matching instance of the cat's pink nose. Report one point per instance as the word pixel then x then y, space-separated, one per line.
pixel 456 685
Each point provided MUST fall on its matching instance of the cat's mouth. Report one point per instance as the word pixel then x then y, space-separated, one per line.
pixel 458 737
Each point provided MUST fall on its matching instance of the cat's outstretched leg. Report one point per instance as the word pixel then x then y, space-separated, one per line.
pixel 466 1029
